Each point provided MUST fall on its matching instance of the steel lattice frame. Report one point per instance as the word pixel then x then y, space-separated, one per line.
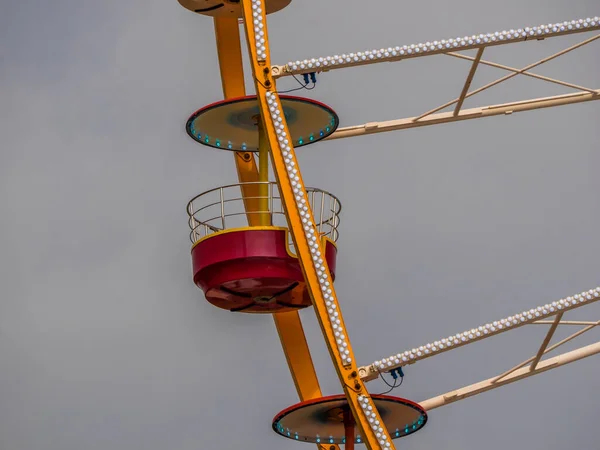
pixel 301 223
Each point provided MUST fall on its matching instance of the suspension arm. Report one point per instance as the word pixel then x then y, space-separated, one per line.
pixel 371 372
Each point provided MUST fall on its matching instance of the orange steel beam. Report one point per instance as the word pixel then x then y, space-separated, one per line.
pixel 309 247
pixel 289 326
pixel 229 50
pixel 297 354
pixel 263 177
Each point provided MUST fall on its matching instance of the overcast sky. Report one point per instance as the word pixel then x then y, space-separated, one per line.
pixel 105 342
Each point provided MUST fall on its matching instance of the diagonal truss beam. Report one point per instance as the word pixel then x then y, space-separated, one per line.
pixel 449 48
pixel 400 53
pixel 309 247
pixel 479 112
pixel 546 350
pixel 521 72
pixel 468 81
pixel 371 372
pixel 519 372
pixel 288 325
pixel 544 346
pixel 509 76
pixel 486 385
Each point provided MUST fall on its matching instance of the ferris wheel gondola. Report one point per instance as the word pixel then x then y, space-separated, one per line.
pixel 260 266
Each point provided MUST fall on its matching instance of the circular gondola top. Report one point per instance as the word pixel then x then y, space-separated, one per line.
pixel 321 420
pixel 231 124
pixel 227 8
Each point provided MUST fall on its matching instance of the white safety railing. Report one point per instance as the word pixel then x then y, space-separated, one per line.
pixel 225 207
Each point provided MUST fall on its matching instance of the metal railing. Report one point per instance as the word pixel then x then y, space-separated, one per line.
pixel 225 207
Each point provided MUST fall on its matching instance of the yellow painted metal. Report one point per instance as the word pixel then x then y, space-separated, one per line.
pixel 263 176
pixel 248 173
pixel 299 360
pixel 289 325
pixel 347 373
pixel 297 354
pixel 229 49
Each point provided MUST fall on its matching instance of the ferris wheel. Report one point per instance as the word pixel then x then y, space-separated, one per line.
pixel 266 246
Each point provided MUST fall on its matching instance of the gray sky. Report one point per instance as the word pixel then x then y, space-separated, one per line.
pixel 105 342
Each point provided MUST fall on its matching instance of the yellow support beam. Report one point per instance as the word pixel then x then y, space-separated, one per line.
pixel 248 173
pixel 229 50
pixel 297 355
pixel 289 325
pixel 304 233
pixel 263 177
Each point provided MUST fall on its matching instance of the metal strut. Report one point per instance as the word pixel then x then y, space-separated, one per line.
pixel 308 246
pixel 289 326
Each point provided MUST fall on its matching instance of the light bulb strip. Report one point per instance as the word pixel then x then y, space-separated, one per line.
pixel 475 334
pixel 368 409
pixel 301 223
pixel 258 22
pixel 399 53
pixel 335 321
pixel 310 232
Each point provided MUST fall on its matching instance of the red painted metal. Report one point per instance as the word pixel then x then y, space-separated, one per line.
pixel 349 429
pixel 243 270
